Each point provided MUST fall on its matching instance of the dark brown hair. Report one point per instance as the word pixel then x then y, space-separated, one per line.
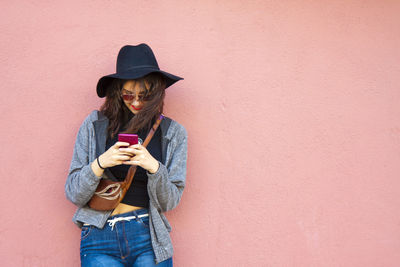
pixel 116 111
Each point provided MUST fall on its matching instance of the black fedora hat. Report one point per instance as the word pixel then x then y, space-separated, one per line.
pixel 133 62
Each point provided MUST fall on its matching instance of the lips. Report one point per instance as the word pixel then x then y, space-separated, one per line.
pixel 135 108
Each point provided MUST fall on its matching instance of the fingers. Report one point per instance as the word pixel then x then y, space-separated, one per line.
pixel 135 149
pixel 121 144
pixel 148 163
pixel 116 154
pixel 138 147
pixel 126 151
pixel 139 155
pixel 139 159
pixel 132 162
pixel 121 158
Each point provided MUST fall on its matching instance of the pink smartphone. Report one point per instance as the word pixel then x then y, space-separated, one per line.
pixel 132 139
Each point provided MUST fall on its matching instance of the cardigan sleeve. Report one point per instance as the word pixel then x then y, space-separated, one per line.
pixel 166 186
pixel 81 181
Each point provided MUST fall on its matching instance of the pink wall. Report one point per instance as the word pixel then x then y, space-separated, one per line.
pixel 292 108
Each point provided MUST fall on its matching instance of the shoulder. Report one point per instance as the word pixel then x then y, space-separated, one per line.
pixel 88 121
pixel 175 129
pixel 93 116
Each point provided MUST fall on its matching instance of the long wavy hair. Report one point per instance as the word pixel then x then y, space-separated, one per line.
pixel 116 111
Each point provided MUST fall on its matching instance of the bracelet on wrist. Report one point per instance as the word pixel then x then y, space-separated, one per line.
pixel 98 163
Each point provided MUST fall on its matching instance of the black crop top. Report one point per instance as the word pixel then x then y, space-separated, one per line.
pixel 137 194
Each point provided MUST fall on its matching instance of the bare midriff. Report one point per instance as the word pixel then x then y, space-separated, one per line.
pixel 124 208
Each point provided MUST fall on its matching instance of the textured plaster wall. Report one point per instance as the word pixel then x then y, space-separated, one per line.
pixel 292 110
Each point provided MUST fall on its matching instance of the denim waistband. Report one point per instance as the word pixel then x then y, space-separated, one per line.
pixel 127 214
pixel 131 213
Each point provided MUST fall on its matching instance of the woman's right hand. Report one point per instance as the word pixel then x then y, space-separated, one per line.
pixel 113 156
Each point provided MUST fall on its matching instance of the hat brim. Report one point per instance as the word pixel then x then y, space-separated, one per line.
pixel 104 81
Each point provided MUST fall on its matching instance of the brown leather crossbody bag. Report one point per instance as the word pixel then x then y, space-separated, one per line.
pixel 109 193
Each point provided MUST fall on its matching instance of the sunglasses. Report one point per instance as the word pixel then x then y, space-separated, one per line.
pixel 141 97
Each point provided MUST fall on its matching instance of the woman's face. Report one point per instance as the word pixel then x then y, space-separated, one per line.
pixel 134 100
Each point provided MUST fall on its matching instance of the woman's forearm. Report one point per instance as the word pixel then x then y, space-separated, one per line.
pixel 96 168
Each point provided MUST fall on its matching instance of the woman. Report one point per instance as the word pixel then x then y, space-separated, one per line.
pixel 135 233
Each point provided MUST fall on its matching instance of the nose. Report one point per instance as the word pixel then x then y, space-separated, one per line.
pixel 136 101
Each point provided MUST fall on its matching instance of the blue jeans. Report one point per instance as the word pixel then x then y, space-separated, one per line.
pixel 128 244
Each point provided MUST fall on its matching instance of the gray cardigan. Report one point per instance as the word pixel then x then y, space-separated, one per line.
pixel 165 187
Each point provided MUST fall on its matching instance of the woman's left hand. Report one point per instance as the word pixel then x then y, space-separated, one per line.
pixel 142 158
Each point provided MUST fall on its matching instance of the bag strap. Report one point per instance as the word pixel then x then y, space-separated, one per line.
pixel 131 172
pixel 152 130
